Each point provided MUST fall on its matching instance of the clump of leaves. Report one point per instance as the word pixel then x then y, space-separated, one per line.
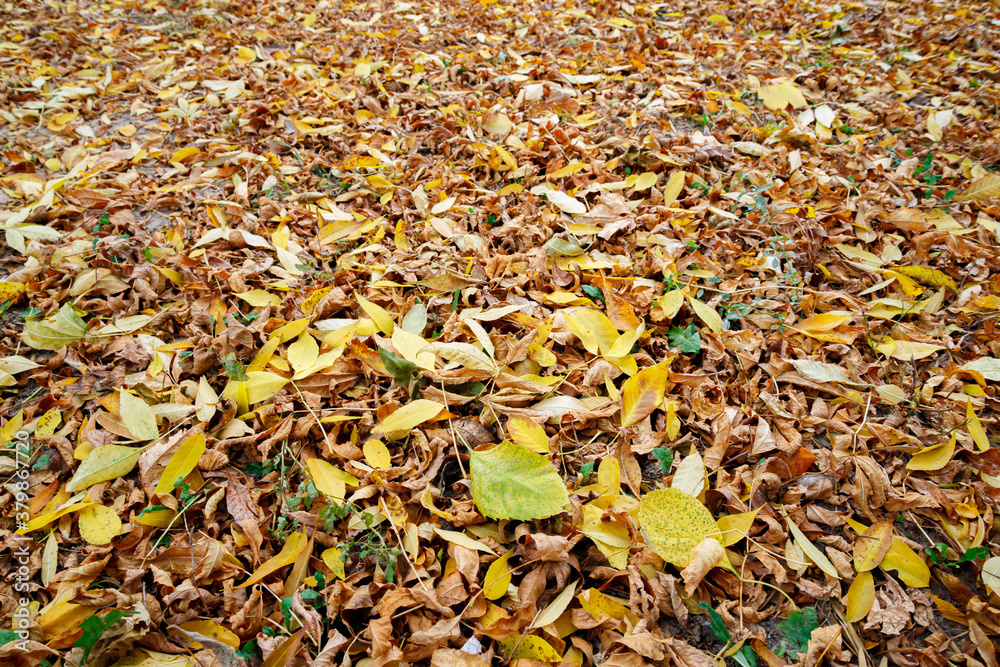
pixel 94 627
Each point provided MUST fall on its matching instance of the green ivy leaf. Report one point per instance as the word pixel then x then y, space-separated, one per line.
pixel 686 340
pixel 798 629
pixel 665 457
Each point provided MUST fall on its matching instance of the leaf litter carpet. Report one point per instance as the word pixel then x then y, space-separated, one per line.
pixel 578 333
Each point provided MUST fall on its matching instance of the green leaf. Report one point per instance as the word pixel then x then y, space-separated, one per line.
pixel 665 457
pixel 401 370
pixel 594 293
pixel 686 340
pixel 235 370
pixel 512 482
pixel 798 629
pixel 94 627
pixel 716 624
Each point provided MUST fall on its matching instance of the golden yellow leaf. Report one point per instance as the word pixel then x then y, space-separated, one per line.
pixel 642 393
pixel 409 416
pixel 326 479
pixel 673 188
pixel 609 476
pixel 707 314
pixel 927 276
pixel 975 428
pixel 498 578
pixel 734 527
pixel 934 457
pixel 781 95
pixel 982 189
pixel 99 524
pixel 377 454
pixel 860 597
pixel 293 546
pixel 530 647
pixel 48 423
pixel 528 433
pixel 379 315
pixel 184 460
pixel 673 523
pixel 554 610
pixel 872 546
pixel 332 559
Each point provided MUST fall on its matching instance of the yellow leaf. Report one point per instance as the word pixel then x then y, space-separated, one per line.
pixel 673 188
pixel 498 577
pixel 181 463
pixel 303 353
pixel 781 95
pixel 609 476
pixel 735 527
pixel 642 393
pixel 260 386
pixel 137 416
pixel 528 433
pixel 288 554
pixel 927 276
pixel 184 154
pixel 10 291
pixel 811 551
pixel 823 322
pixel 906 350
pixel 379 315
pixel 103 464
pixel 586 336
pixel 707 314
pixel 245 55
pixel 99 524
pixel 982 189
pixel 48 423
pixel 259 298
pixel 975 429
pixel 554 610
pixel 332 559
pixel 325 478
pixel 912 570
pixel 308 22
pixel 860 597
pixel 462 540
pixel 49 517
pixel 934 457
pixel 212 630
pixel 409 416
pixel 530 647
pixel 670 303
pixel 645 181
pixel 377 454
pixel 673 523
pixel 673 421
pixel 468 355
pixel 280 656
pixel 872 546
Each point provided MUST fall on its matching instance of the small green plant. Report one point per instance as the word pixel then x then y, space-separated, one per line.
pixel 686 339
pixel 745 657
pixel 235 370
pixel 665 457
pixel 94 627
pixel 938 552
